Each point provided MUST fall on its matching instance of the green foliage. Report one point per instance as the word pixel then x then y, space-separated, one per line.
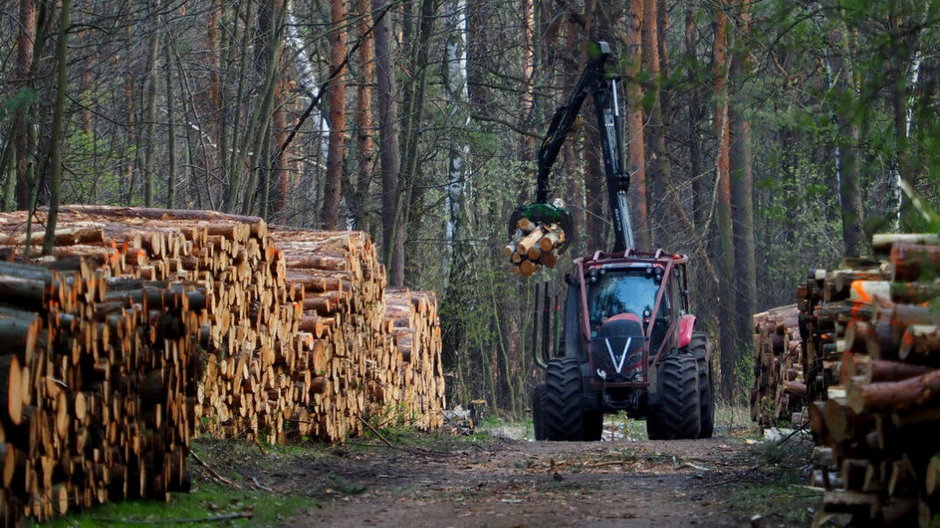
pixel 191 509
pixel 16 101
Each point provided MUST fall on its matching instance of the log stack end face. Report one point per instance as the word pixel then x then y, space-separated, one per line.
pixel 872 357
pixel 156 325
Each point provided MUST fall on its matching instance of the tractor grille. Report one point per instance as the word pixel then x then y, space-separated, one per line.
pixel 616 359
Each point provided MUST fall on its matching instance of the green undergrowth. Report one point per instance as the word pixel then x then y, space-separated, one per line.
pixel 773 492
pixel 193 509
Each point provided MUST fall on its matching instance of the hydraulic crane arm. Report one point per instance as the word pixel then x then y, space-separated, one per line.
pixel 602 86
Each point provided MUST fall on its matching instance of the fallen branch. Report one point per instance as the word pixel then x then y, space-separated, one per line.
pixel 213 472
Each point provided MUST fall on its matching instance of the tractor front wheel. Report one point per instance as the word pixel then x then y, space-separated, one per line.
pixel 706 388
pixel 562 413
pixel 680 413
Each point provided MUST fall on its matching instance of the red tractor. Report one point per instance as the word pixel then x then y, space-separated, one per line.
pixel 627 339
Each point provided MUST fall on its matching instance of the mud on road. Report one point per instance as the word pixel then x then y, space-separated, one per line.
pixel 440 481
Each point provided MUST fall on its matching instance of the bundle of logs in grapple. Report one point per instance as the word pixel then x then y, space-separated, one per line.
pixel 872 363
pixel 779 392
pixel 286 333
pixel 533 245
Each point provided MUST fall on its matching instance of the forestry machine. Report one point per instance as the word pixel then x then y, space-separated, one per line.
pixel 627 339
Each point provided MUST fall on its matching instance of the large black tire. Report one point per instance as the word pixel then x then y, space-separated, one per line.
pixel 698 347
pixel 679 416
pixel 538 393
pixel 563 416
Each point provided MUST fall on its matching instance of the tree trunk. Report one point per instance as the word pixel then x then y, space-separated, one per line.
pixel 728 351
pixel 695 111
pixel 527 102
pixel 365 144
pixel 455 88
pixel 742 194
pixel 656 165
pixel 849 170
pixel 150 105
pixel 336 100
pixel 635 135
pixel 170 126
pixel 19 183
pixel 58 126
pixel 392 234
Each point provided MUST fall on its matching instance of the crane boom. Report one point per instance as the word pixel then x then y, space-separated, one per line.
pixel 602 86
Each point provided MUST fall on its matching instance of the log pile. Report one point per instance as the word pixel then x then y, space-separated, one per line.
pixel 97 387
pixel 412 392
pixel 249 310
pixel 277 333
pixel 778 396
pixel 872 340
pixel 534 245
pixel 340 336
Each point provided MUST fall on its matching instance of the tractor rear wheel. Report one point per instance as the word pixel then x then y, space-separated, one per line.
pixel 680 413
pixel 562 415
pixel 537 395
pixel 706 390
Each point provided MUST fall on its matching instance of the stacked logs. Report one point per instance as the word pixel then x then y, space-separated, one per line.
pixel 877 408
pixel 779 392
pixel 534 245
pixel 250 310
pixel 96 382
pixel 412 392
pixel 339 335
pixel 294 330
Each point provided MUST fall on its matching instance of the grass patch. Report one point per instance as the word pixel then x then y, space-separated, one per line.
pixel 204 501
pixel 780 495
pixel 785 501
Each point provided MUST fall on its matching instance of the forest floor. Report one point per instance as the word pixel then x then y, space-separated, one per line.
pixel 496 478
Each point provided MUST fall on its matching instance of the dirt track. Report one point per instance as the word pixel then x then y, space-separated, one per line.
pixel 517 483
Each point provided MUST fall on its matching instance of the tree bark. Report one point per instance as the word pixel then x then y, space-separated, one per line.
pixel 848 161
pixel 365 144
pixel 635 135
pixel 392 234
pixel 657 167
pixel 742 184
pixel 58 126
pixel 728 351
pixel 170 125
pixel 150 104
pixel 336 100
pixel 20 183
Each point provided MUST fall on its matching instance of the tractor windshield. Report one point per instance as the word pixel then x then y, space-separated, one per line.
pixel 616 292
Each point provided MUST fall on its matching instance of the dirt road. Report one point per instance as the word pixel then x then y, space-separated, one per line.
pixel 494 482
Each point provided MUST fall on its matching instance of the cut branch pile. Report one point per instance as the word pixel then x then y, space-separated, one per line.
pixel 534 245
pixel 96 387
pixel 779 392
pixel 872 357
